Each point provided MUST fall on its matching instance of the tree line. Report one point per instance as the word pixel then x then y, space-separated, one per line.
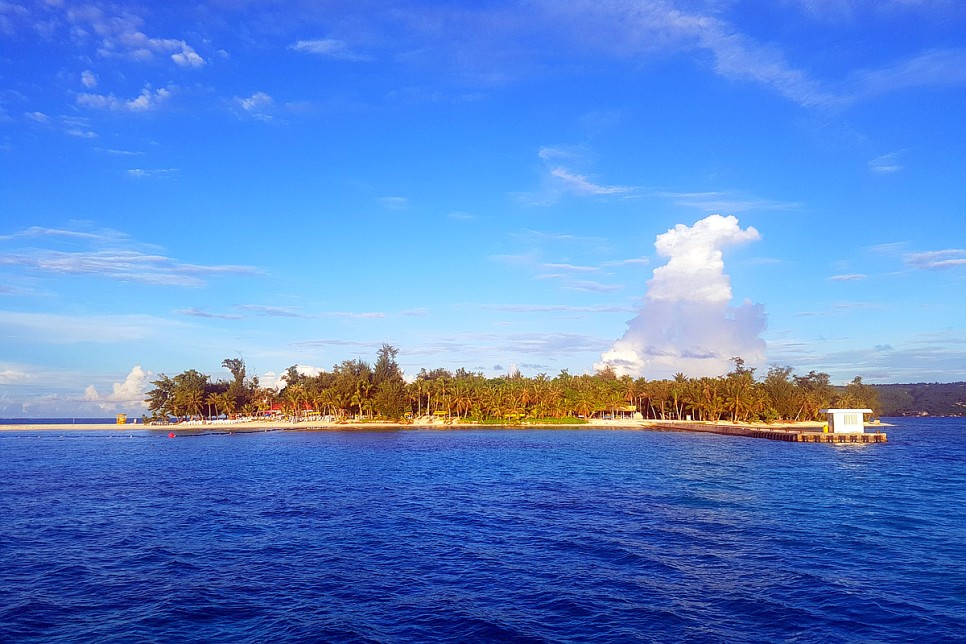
pixel 359 390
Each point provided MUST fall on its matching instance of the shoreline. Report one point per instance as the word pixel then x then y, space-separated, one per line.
pixel 231 427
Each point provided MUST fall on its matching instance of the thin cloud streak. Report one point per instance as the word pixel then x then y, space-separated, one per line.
pixel 121 264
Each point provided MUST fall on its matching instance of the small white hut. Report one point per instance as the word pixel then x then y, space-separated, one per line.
pixel 846 421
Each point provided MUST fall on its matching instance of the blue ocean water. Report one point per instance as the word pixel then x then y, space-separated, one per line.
pixel 490 535
pixel 59 421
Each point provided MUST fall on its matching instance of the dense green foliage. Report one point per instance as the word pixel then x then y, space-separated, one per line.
pixel 356 389
pixel 934 399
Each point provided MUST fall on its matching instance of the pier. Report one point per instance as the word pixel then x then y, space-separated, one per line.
pixel 779 434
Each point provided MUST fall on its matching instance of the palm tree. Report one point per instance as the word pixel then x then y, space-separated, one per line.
pixel 229 404
pixel 295 396
pixel 191 401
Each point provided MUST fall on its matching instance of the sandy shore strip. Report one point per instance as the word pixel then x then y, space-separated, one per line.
pixel 246 426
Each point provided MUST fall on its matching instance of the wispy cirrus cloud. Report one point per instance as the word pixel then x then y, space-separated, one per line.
pixel 394 203
pixel 558 308
pixel 272 311
pixel 201 313
pixel 330 47
pixel 68 329
pixel 122 265
pixel 353 315
pixel 885 164
pixel 107 254
pixel 937 259
pixel 925 357
pixel 721 202
pixel 934 68
pixel 559 179
pixel 580 185
pixel 838 308
pixel 151 173
pixel 42 231
pixel 338 343
pixel 478 346
pixel 572 267
pixel 262 310
pixel 653 28
pixel 947 258
pixel 77 126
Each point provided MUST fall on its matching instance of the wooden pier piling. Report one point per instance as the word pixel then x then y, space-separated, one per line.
pixel 779 434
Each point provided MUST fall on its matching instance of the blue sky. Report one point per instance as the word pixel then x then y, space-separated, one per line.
pixel 657 185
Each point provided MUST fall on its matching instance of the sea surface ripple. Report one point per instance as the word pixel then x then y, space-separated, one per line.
pixel 482 535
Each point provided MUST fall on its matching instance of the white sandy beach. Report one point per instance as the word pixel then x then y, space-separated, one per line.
pixel 241 426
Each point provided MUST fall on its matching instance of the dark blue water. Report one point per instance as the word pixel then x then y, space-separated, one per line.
pixel 498 535
pixel 59 421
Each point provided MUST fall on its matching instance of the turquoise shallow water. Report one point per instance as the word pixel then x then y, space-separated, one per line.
pixel 493 535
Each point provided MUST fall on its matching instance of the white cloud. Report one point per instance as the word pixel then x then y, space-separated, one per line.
pixel 13 375
pixel 41 231
pixel 365 315
pixel 258 101
pixel 187 57
pixel 939 67
pixel 82 134
pixel 559 180
pixel 580 185
pixel 141 173
pixel 635 28
pixel 488 346
pixel 88 79
pixel 572 267
pixel 937 259
pixel 120 36
pixel 557 308
pixel 550 154
pixel 112 258
pixel 726 201
pixel 695 268
pixel 271 380
pixel 77 126
pixel 39 117
pixel 259 106
pixel 331 47
pixel 658 27
pixel 201 313
pixel 590 285
pixel 394 203
pixel 69 329
pixel 272 311
pixel 144 102
pixel 127 394
pixel 686 323
pixel 885 164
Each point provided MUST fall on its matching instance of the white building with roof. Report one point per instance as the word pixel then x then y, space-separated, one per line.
pixel 846 421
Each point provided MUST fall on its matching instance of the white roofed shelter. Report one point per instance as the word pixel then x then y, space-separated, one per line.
pixel 846 421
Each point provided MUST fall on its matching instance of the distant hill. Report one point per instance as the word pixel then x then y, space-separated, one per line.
pixel 933 399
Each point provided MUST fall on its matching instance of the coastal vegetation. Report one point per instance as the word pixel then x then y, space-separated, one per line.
pixel 355 389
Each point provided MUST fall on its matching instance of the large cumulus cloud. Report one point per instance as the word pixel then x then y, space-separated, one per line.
pixel 687 323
